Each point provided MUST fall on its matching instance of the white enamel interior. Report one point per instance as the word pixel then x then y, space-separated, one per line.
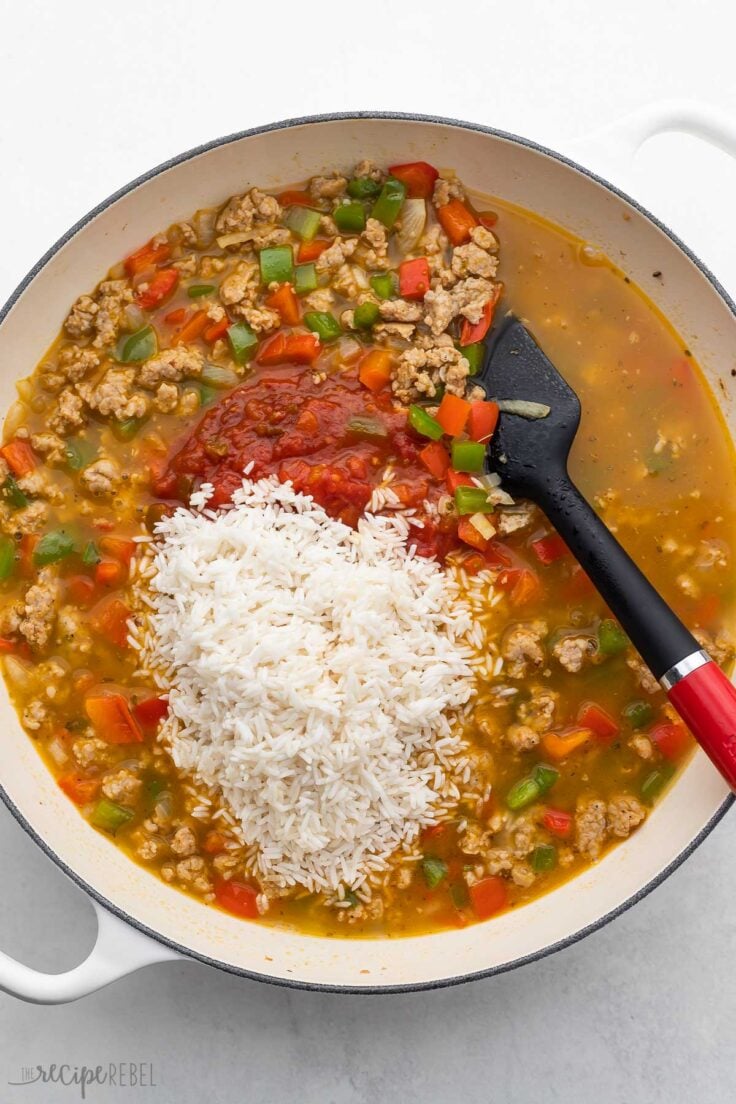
pixel 491 164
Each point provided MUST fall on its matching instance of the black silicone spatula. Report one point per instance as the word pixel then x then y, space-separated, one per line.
pixel 530 455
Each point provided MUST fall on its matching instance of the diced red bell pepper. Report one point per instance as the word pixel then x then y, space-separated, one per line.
pixel 81 790
pixel 290 349
pixel 19 456
pixel 455 479
pixel 214 843
pixel 237 897
pixel 286 303
pixel 193 328
pixel 216 331
pixel 375 369
pixel 109 619
pixel 414 278
pixel 311 250
pixel 476 331
pixel 468 534
pixel 158 288
pixel 151 711
pixel 435 459
pixel 147 256
pixel 579 585
pixel 600 722
pixel 418 177
pixel 497 555
pixel 176 317
pixel 522 583
pixel 457 221
pixel 487 219
pixel 672 740
pixel 482 420
pixel 120 548
pixel 294 198
pixel 28 543
pixel 110 573
pixel 112 719
pixel 550 549
pixel 453 414
pixel 490 895
pixel 557 822
pixel 7 646
pixel 80 590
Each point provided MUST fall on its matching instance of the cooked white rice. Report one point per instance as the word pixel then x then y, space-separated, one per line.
pixel 316 674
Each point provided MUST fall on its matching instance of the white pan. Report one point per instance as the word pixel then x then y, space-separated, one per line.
pixel 142 920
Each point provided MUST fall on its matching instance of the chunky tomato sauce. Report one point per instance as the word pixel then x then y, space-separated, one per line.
pixel 333 440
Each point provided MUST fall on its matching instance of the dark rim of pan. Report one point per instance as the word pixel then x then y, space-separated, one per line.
pixel 439 983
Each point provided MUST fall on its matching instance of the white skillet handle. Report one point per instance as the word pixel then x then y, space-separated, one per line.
pixel 610 151
pixel 118 950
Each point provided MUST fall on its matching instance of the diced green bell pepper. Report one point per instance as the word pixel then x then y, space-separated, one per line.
pixel 363 425
pixel 53 546
pixel 304 222
pixel 243 342
pixel 530 789
pixel 196 291
pixel 139 346
pixel 127 429
pixel 474 355
pixel 389 203
pixel 365 316
pixel 472 500
pixel 214 375
pixel 324 324
pixel 544 857
pixel 434 871
pixel 638 714
pixel 611 637
pixel 277 265
pixel 424 423
pixel 305 279
pixel 363 187
pixel 349 218
pixel 655 782
pixel 545 777
pixel 91 554
pixel 109 816
pixel 385 285
pixel 78 453
pixel 206 394
pixel 468 456
pixel 7 557
pixel 13 493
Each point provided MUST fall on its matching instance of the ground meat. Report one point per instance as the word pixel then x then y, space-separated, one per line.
pixel 81 317
pixel 369 169
pixel 320 300
pixel 260 319
pixel 539 711
pixel 34 715
pixel 90 751
pixel 216 312
pixel 571 652
pixel 115 395
pixel 520 647
pixel 38 484
pixel 720 648
pixel 445 190
pixel 644 676
pixel 76 363
pixel 327 187
pixel 429 362
pixel 522 874
pixel 347 282
pixel 71 629
pixel 241 213
pixel 474 840
pixel 39 609
pixel 623 814
pixel 149 848
pixel 211 266
pixel 521 737
pixel 510 519
pixel 112 297
pixel 336 254
pixel 167 398
pixel 192 872
pixel 468 298
pixel 400 310
pixel 30 518
pixel 49 445
pixel 374 236
pixel 184 842
pixel 387 330
pixel 473 259
pixel 171 365
pixel 124 787
pixel 590 826
pixel 68 415
pixel 642 745
pixel 101 478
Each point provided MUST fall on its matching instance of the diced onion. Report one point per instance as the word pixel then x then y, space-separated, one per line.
pixel 523 407
pixel 19 673
pixel 234 239
pixel 216 376
pixel 57 751
pixel 483 525
pixel 203 225
pixel 25 389
pixel 487 480
pixel 349 349
pixel 134 318
pixel 413 221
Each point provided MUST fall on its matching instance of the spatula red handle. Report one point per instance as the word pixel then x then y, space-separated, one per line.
pixel 706 701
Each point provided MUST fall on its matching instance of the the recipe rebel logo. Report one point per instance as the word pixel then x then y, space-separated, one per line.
pixel 120 1075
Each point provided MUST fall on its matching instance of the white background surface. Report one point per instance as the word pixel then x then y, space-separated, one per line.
pixel 92 95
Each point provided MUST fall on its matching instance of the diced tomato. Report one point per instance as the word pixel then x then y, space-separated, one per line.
pixel 310 251
pixel 119 547
pixel 467 533
pixel 193 328
pixel 109 619
pixel 19 456
pixel 375 369
pixel 110 573
pixel 476 331
pixel 600 722
pixel 453 414
pixel 151 711
pixel 286 303
pixel 671 740
pixel 522 583
pixel 158 288
pixel 81 590
pixel 290 349
pixel 147 256
pixel 176 317
pixel 482 420
pixel 217 330
pixel 7 646
pixel 706 611
pixel 213 843
pixel 418 176
pixel 579 585
pixel 490 895
pixel 112 719
pixel 487 219
pixel 457 221
pixel 294 198
pixel 28 543
pixel 560 745
pixel 237 897
pixel 455 479
pixel 557 822
pixel 434 832
pixel 80 789
pixel 497 555
pixel 414 278
pixel 549 549
pixel 436 459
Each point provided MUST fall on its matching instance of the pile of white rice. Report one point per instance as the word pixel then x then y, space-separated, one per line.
pixel 316 675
